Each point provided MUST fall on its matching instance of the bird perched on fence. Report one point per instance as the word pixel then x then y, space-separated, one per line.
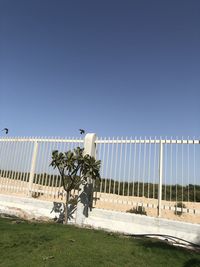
pixel 81 131
pixel 6 130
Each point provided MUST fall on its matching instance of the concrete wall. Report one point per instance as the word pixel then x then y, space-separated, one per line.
pixel 140 224
pixel 30 208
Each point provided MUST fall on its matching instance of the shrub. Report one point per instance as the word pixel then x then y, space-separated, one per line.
pixel 179 205
pixel 138 210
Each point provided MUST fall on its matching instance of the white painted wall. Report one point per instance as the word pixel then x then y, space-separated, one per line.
pixel 140 224
pixel 30 208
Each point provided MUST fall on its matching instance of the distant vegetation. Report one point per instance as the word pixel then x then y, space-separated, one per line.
pixel 169 192
pixel 173 192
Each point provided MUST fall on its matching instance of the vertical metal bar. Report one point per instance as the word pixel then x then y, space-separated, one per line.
pixel 35 185
pixel 176 171
pixel 188 163
pixel 41 160
pixel 3 178
pixel 43 180
pixel 134 166
pixel 124 173
pixel 99 146
pixel 160 179
pixel 28 156
pixel 116 161
pixel 171 173
pixel 45 173
pixel 194 165
pixel 102 163
pixel 67 145
pixel 52 179
pixel 106 172
pixel 120 166
pixel 59 189
pixel 59 183
pixel 111 165
pixel 1 171
pixel 12 167
pixel 12 179
pixel 165 168
pixel 32 171
pixel 19 168
pixel 149 167
pixel 17 162
pixel 48 177
pixel 34 188
pixel 9 160
pixel 52 173
pixel 144 167
pixel 71 144
pixel 182 171
pixel 4 165
pixel 129 171
pixel 2 156
pixel 103 166
pixel 154 178
pixel 139 166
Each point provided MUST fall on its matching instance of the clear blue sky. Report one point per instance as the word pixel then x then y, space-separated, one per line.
pixel 117 68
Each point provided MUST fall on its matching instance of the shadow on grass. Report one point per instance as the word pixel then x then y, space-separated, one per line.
pixel 192 263
pixel 157 244
pixel 167 243
pixel 163 245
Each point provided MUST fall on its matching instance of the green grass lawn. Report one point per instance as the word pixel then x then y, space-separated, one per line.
pixel 39 244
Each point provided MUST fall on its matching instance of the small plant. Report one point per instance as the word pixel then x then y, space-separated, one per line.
pixel 138 210
pixel 75 169
pixel 179 205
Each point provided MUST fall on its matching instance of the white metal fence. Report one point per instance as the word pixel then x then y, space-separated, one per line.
pixel 153 173
pixel 157 174
pixel 24 166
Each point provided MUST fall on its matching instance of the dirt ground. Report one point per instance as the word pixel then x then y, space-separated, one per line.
pixel 123 203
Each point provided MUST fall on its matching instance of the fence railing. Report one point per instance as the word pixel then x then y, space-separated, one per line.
pixel 24 166
pixel 158 174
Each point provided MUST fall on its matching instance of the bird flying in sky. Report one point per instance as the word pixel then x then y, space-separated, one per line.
pixel 6 130
pixel 82 131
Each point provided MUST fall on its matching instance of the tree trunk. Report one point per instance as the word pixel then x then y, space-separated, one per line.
pixel 66 208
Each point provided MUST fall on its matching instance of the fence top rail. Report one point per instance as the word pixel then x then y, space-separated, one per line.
pixel 101 140
pixel 146 141
pixel 35 139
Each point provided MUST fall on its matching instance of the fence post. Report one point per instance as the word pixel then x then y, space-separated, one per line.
pixel 86 190
pixel 89 144
pixel 32 171
pixel 160 178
